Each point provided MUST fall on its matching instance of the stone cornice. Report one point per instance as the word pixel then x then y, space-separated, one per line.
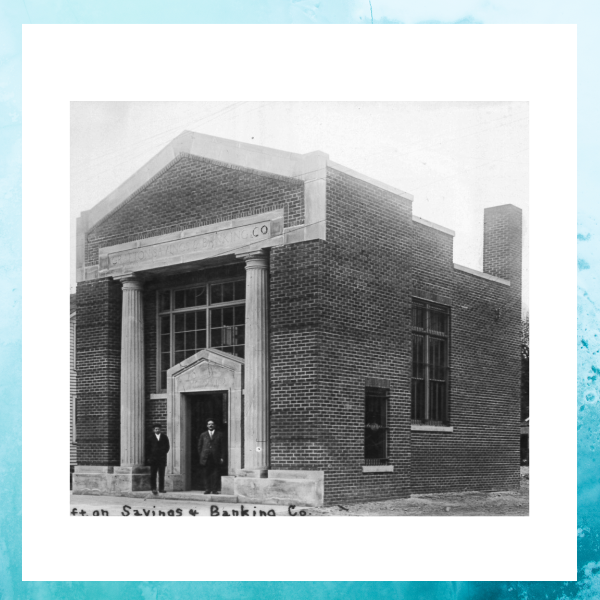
pixel 433 226
pixel 481 274
pixel 375 182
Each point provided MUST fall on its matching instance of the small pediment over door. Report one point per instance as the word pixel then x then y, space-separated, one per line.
pixel 208 370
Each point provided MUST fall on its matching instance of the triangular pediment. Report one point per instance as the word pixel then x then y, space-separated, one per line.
pixel 204 371
pixel 237 155
pixel 193 191
pixel 198 180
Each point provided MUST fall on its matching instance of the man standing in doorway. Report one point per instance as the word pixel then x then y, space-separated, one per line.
pixel 158 448
pixel 210 449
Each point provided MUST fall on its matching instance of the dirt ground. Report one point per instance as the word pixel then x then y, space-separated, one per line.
pixel 456 504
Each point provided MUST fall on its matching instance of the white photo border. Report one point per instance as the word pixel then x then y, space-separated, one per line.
pixel 534 63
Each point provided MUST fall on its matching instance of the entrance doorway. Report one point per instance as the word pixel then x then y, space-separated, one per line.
pixel 202 407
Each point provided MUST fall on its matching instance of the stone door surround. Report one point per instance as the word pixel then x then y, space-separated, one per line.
pixel 207 371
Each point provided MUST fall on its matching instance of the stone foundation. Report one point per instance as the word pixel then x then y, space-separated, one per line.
pixel 303 488
pixel 110 480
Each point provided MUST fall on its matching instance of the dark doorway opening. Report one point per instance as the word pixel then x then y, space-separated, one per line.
pixel 205 406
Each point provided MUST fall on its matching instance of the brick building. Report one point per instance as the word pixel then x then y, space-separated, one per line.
pixel 303 306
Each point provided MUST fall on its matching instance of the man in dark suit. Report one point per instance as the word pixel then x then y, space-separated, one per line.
pixel 158 448
pixel 210 449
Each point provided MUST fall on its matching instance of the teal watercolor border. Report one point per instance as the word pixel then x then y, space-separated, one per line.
pixel 586 15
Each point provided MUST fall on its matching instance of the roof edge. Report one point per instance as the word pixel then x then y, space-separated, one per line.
pixel 427 223
pixel 481 274
pixel 375 182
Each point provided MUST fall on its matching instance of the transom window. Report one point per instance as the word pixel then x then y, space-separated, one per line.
pixel 430 364
pixel 195 318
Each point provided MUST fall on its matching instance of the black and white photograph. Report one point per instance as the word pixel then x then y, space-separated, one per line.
pixel 299 308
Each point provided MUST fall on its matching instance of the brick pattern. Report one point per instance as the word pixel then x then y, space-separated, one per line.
pixel 156 412
pixel 98 356
pixel 432 273
pixel 482 453
pixel 193 192
pixel 295 299
pixel 365 330
pixel 502 243
pixel 338 316
pixel 150 340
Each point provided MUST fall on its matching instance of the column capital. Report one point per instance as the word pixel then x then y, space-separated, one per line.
pixel 258 259
pixel 130 281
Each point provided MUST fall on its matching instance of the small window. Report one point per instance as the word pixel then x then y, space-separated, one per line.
pixel 376 429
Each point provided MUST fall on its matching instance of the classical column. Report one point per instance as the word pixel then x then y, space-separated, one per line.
pixel 132 374
pixel 256 367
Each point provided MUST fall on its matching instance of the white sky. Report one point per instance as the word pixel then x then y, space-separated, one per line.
pixel 457 158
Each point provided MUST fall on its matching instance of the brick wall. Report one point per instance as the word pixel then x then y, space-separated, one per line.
pixel 482 453
pixel 98 356
pixel 502 243
pixel 338 316
pixel 367 273
pixel 298 429
pixel 432 266
pixel 156 412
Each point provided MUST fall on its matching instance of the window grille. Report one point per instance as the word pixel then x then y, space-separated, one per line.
pixel 376 426
pixel 430 363
pixel 195 318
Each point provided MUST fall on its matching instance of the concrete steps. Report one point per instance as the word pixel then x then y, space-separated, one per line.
pixel 277 487
pixel 191 496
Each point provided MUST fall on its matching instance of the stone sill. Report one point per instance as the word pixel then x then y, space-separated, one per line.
pixel 434 428
pixel 378 469
pixel 162 396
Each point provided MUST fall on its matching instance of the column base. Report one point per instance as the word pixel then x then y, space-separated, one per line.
pixel 301 488
pixel 110 480
pixel 131 479
pixel 92 479
pixel 174 483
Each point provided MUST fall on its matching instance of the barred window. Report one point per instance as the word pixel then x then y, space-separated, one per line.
pixel 195 318
pixel 376 428
pixel 430 363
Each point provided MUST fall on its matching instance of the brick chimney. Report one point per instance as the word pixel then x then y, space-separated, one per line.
pixel 502 243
